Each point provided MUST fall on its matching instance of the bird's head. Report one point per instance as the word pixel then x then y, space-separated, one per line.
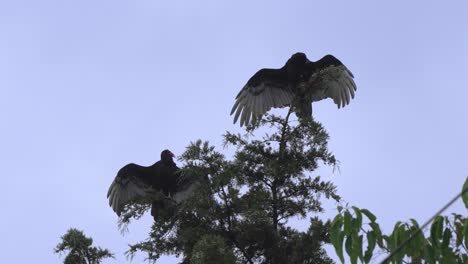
pixel 297 68
pixel 167 155
pixel 297 58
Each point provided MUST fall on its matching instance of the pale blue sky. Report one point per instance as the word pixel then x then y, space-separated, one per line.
pixel 88 86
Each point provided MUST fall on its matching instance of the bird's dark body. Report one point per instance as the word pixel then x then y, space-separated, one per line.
pixel 161 176
pixel 168 175
pixel 288 74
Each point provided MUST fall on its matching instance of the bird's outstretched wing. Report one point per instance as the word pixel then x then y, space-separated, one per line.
pixel 265 89
pixel 127 185
pixel 186 186
pixel 331 79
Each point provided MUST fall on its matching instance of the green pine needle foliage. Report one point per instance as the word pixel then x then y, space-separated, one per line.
pixel 240 212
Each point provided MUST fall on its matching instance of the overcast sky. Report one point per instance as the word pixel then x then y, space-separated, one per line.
pixel 88 86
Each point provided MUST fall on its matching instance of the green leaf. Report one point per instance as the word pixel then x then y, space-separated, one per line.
pixel 337 237
pixel 459 232
pixel 349 246
pixel 339 251
pixel 358 217
pixel 349 249
pixel 378 233
pixel 416 245
pixel 337 223
pixel 393 238
pixel 348 224
pixel 446 238
pixel 465 193
pixel 400 236
pixel 465 232
pixel 415 223
pixel 437 229
pixel 369 215
pixel 448 256
pixel 371 239
pixel 389 242
pixel 337 241
pixel 357 247
pixel 429 253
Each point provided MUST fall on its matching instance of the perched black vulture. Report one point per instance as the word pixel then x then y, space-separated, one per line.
pixel 297 84
pixel 134 181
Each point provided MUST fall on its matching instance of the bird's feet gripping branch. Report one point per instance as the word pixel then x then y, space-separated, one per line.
pixel 297 84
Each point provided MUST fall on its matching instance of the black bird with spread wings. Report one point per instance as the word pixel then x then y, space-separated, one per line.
pixel 133 181
pixel 297 84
